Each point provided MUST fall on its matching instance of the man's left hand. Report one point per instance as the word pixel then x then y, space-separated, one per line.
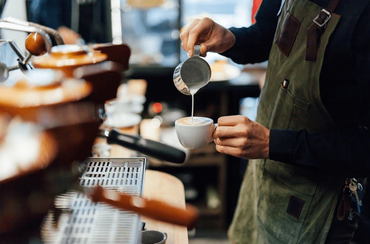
pixel 241 137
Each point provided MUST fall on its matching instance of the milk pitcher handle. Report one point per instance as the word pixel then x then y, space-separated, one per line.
pixel 197 50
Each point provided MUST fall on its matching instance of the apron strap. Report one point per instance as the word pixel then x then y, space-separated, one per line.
pixel 317 28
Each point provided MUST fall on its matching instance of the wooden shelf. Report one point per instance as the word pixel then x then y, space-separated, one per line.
pixel 206 211
pixel 207 157
pixel 210 217
pixel 205 160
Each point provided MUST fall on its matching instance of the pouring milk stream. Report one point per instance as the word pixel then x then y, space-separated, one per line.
pixel 191 75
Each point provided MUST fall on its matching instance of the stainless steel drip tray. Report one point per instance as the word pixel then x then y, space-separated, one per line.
pixel 76 219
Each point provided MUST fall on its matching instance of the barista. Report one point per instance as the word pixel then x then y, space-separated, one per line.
pixel 311 134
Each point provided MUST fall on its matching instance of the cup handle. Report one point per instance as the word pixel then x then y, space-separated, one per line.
pixel 214 128
pixel 196 50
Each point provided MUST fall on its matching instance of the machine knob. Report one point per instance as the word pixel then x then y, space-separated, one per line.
pixel 35 44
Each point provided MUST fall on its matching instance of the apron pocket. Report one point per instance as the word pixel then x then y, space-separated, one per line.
pixel 289 112
pixel 300 117
pixel 282 111
pixel 284 199
pixel 288 33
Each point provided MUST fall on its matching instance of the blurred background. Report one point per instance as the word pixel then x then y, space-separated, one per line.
pixel 151 28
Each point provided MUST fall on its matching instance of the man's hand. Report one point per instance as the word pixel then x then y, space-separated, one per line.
pixel 240 137
pixel 211 36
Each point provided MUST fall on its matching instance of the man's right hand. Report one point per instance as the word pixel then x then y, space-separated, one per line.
pixel 211 36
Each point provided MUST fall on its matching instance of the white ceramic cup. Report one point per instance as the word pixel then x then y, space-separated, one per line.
pixel 196 133
pixel 101 150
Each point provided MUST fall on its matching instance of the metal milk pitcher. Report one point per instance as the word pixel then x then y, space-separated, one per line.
pixel 192 74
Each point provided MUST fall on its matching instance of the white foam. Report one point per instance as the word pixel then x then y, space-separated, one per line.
pixel 194 121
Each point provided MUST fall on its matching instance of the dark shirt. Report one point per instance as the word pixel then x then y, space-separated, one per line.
pixel 344 89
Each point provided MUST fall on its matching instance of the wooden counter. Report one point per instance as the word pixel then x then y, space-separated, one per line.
pixel 167 188
pixel 164 187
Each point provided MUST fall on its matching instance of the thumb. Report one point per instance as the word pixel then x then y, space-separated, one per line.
pixel 203 49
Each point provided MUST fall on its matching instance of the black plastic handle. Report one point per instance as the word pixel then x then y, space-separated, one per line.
pixel 148 147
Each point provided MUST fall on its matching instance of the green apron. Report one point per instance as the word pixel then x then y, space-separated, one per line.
pixel 278 202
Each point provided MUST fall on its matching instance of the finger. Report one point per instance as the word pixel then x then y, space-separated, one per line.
pixel 226 132
pixel 240 129
pixel 203 49
pixel 202 28
pixel 233 151
pixel 232 120
pixel 184 35
pixel 241 142
pixel 206 47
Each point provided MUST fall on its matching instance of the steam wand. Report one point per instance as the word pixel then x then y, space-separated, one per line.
pixel 37 43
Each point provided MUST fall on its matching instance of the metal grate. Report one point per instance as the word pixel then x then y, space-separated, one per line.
pixel 78 220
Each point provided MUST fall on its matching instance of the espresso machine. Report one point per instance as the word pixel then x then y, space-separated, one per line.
pixel 52 114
